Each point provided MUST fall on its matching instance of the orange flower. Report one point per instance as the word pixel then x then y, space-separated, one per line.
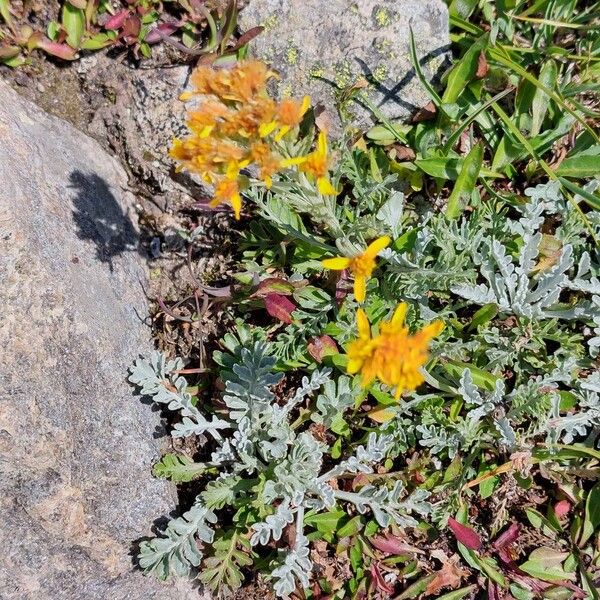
pixel 267 162
pixel 206 155
pixel 361 266
pixel 239 83
pixel 248 118
pixel 289 115
pixel 395 357
pixel 228 189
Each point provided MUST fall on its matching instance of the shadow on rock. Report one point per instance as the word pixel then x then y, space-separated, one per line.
pixel 100 219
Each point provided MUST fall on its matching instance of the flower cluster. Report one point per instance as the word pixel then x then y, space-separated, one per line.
pixel 394 356
pixel 237 125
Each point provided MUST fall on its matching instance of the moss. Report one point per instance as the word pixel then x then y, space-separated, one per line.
pixel 380 73
pixel 343 76
pixel 382 16
pixel 270 22
pixel 291 55
pixel 317 70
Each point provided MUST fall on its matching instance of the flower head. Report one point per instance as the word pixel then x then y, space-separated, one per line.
pixel 394 356
pixel 290 113
pixel 227 189
pixel 361 266
pixel 240 83
pixel 316 165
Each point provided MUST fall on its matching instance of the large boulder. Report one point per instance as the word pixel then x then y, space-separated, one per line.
pixel 76 447
pixel 320 45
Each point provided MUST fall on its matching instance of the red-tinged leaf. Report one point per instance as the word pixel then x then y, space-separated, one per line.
pixel 482 66
pixel 449 576
pixel 343 286
pixel 562 508
pixel 507 538
pixel 427 113
pixel 390 544
pixel 273 285
pixel 378 580
pixel 63 51
pixel 9 51
pixel 493 590
pixel 280 307
pixel 465 534
pixel 322 346
pixel 116 21
pixel 131 28
pixel 156 34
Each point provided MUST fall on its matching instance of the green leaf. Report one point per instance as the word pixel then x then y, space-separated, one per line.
pixel 592 514
pixel 5 11
pixel 221 571
pixel 484 315
pixel 539 521
pixel 458 594
pixel 541 100
pixel 177 467
pixel 546 564
pixel 481 378
pixel 416 589
pixel 583 164
pixel 462 8
pixel 352 527
pixel 73 20
pixel 96 42
pixel 449 168
pixel 463 71
pixel 326 522
pixel 590 199
pixel 465 182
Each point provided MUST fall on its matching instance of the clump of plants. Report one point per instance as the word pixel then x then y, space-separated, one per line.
pixel 409 404
pixel 196 29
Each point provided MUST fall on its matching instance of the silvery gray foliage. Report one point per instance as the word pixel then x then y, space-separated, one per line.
pixel 594 342
pixel 365 457
pixel 335 398
pixel 272 527
pixel 176 552
pixel 388 505
pixel 512 285
pixel 442 254
pixel 295 568
pixel 567 427
pixel 158 379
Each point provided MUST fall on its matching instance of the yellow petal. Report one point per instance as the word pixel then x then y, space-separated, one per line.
pixel 267 128
pixel 322 143
pixel 236 204
pixel 206 131
pixel 433 329
pixel 400 314
pixel 354 365
pixel 268 182
pixel 339 263
pixel 375 247
pixel 325 187
pixel 362 323
pixel 281 133
pixel 186 96
pixel 289 162
pixel 305 104
pixel 360 288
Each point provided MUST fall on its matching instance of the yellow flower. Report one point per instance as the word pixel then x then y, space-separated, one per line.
pixel 289 115
pixel 361 266
pixel 316 165
pixel 395 356
pixel 227 189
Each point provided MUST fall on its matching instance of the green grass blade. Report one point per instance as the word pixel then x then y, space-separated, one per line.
pixel 507 62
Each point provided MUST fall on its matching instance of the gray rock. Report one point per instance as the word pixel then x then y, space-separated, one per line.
pixel 310 41
pixel 76 447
